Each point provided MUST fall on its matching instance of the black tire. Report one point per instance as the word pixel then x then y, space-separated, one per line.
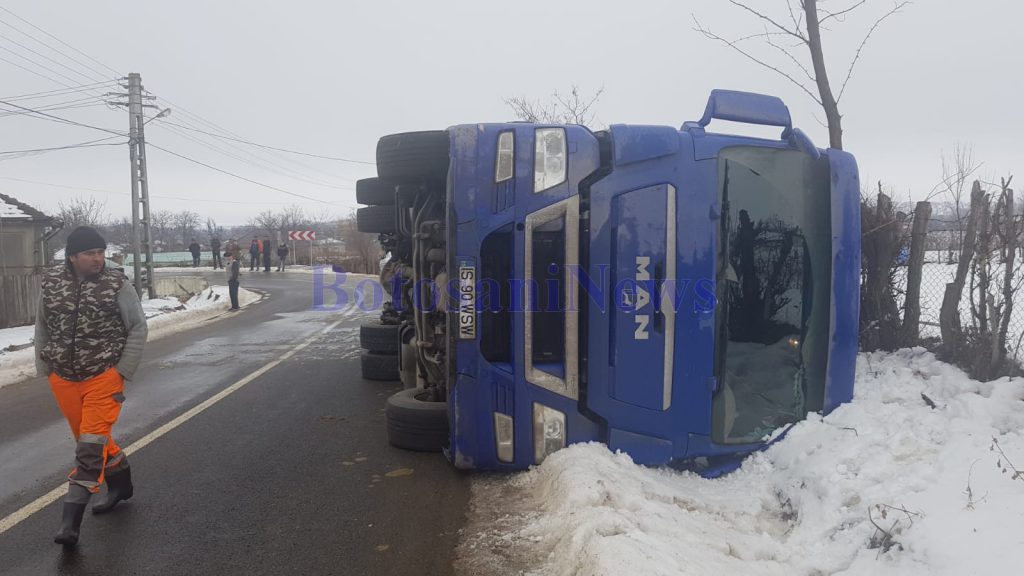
pixel 380 338
pixel 376 219
pixel 413 157
pixel 383 367
pixel 373 192
pixel 415 424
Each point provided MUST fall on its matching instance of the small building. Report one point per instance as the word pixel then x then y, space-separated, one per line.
pixel 23 234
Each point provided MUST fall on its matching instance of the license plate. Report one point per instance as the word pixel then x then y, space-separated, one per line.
pixel 467 302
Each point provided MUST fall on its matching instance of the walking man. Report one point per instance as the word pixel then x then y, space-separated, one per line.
pixel 215 248
pixel 196 250
pixel 89 336
pixel 254 254
pixel 282 256
pixel 233 269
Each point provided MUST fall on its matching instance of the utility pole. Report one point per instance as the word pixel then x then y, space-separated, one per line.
pixel 142 237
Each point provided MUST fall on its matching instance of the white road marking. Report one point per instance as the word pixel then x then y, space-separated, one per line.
pixel 53 495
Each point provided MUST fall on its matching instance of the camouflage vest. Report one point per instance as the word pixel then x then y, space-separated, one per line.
pixel 87 334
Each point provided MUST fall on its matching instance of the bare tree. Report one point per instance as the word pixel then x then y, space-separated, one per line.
pixel 79 211
pixel 798 28
pixel 185 223
pixel 362 247
pixel 571 108
pixel 266 222
pixel 213 230
pixel 160 227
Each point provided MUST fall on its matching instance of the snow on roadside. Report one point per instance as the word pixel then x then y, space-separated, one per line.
pixel 801 507
pixel 165 316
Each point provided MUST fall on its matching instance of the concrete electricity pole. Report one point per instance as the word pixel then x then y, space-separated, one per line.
pixel 142 237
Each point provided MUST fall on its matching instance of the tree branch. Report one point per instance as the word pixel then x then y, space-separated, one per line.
pixel 707 33
pixel 769 20
pixel 871 31
pixel 841 12
pixel 794 59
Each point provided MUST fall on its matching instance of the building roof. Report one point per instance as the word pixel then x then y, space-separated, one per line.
pixel 12 209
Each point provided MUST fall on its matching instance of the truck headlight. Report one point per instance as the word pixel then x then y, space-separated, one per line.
pixel 506 154
pixel 549 158
pixel 548 431
pixel 503 437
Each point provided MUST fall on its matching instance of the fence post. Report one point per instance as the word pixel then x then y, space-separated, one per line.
pixel 949 315
pixel 915 265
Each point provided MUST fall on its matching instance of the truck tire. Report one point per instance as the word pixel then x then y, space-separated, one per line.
pixel 413 157
pixel 379 338
pixel 382 367
pixel 376 219
pixel 372 191
pixel 415 424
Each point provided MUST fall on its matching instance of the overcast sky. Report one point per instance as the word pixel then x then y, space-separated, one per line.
pixel 331 77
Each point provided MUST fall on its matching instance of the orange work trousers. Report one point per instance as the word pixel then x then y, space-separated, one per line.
pixel 91 408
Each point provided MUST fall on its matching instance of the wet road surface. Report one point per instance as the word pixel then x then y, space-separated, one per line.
pixel 289 474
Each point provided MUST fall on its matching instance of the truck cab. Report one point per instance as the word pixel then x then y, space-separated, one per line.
pixel 679 295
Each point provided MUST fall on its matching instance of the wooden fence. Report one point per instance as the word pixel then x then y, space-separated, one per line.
pixel 19 296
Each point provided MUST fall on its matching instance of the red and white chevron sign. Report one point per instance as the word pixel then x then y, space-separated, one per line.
pixel 302 235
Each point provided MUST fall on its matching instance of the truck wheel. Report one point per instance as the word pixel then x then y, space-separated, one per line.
pixel 374 192
pixel 413 156
pixel 383 367
pixel 380 338
pixel 415 423
pixel 376 219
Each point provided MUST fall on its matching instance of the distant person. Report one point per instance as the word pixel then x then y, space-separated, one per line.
pixel 89 335
pixel 282 256
pixel 254 254
pixel 234 249
pixel 268 251
pixel 196 250
pixel 234 267
pixel 215 248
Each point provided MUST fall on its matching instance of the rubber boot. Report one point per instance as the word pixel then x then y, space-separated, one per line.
pixel 71 523
pixel 119 487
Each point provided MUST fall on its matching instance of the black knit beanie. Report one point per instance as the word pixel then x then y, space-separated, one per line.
pixel 84 238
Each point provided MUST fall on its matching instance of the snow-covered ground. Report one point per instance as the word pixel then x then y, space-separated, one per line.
pixel 884 485
pixel 165 316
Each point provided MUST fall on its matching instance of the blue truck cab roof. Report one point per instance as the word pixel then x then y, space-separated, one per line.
pixel 677 294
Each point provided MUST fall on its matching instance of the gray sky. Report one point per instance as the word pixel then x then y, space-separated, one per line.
pixel 331 77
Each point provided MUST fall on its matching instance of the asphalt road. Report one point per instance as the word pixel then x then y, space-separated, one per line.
pixel 289 474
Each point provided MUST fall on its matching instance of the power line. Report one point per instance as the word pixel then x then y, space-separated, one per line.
pixel 232 174
pixel 41 75
pixel 179 198
pixel 339 159
pixel 67 105
pixel 89 144
pixel 288 173
pixel 37 113
pixel 43 66
pixel 59 91
pixel 41 55
pixel 287 158
pixel 116 73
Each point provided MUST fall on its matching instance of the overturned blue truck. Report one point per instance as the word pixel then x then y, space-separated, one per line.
pixel 676 294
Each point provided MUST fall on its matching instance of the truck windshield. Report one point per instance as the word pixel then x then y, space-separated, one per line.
pixel 773 287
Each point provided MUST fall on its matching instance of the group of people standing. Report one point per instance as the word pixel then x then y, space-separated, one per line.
pixel 265 248
pixel 258 250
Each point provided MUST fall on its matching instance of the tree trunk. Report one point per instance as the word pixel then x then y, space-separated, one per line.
pixel 880 322
pixel 828 101
pixel 1009 256
pixel 912 302
pixel 949 315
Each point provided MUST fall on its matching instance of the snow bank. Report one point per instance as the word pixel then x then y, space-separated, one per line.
pixel 801 507
pixel 165 316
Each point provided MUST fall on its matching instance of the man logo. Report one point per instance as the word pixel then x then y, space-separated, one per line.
pixel 643 298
